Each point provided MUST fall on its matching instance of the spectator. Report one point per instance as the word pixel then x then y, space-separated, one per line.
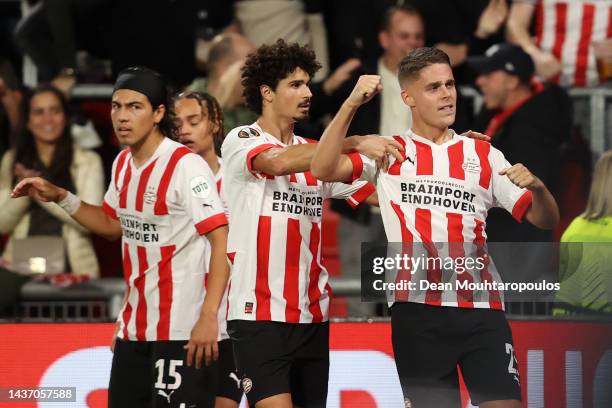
pixel 570 37
pixel 527 121
pixel 53 31
pixel 225 60
pixel 10 100
pixel 301 21
pixel 585 274
pixel 46 149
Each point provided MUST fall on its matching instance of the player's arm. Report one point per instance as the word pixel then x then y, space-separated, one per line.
pixel 328 164
pixel 203 341
pixel 298 158
pixel 543 212
pixel 89 216
pixel 517 26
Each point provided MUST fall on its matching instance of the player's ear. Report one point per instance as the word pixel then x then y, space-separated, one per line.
pixel 266 93
pixel 408 100
pixel 158 114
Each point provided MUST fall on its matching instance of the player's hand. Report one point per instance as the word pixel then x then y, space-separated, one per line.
pixel 114 340
pixel 522 177
pixel 203 341
pixel 476 135
pixel 366 88
pixel 379 149
pixel 38 189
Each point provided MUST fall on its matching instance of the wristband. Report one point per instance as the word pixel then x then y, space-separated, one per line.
pixel 70 203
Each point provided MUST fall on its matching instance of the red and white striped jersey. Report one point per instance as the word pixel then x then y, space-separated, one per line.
pixel 568 29
pixel 275 233
pixel 165 206
pixel 441 194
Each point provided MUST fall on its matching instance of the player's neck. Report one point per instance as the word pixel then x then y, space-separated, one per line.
pixel 210 156
pixel 280 128
pixel 435 134
pixel 141 152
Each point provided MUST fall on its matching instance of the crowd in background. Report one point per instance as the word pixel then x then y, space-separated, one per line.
pixel 550 46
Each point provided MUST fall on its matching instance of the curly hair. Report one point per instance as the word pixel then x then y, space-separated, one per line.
pixel 211 107
pixel 272 63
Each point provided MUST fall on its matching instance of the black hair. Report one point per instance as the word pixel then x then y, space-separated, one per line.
pixel 272 63
pixel 26 152
pixel 211 106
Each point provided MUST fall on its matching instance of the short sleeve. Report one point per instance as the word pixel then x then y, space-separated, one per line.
pixel 111 197
pixel 354 194
pixel 506 194
pixel 196 190
pixel 239 149
pixel 364 168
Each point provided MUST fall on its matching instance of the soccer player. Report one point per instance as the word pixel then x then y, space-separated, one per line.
pixel 199 122
pixel 441 193
pixel 162 201
pixel 279 294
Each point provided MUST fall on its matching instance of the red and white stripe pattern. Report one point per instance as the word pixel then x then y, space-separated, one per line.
pixel 456 183
pixel 163 206
pixel 275 234
pixel 567 29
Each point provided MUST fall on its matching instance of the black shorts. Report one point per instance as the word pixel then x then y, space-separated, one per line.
pixel 429 342
pixel 154 374
pixel 275 358
pixel 229 382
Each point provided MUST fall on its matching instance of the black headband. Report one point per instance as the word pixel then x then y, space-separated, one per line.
pixel 145 81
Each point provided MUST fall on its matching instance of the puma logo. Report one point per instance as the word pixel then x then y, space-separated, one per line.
pixel 163 394
pixel 234 377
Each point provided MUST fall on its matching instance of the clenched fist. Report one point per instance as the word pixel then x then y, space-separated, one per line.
pixel 522 177
pixel 366 87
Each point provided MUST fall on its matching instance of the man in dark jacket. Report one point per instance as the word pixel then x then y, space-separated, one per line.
pixel 527 121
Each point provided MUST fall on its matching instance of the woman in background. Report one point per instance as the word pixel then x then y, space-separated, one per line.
pixel 586 250
pixel 46 148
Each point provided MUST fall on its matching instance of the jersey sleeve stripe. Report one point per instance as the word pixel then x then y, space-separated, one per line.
pixel 485 275
pixel 357 165
pixel 231 256
pixel 292 271
pixel 403 274
pixel 361 195
pixel 161 207
pixel 124 187
pixel 210 223
pixel 142 185
pixel 482 151
pixel 262 288
pixel 165 292
pixel 465 297
pixel 455 160
pixel 108 210
pixel 396 166
pixel 522 205
pixel 127 273
pixel 120 163
pixel 314 293
pixel 139 283
pixel 254 152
